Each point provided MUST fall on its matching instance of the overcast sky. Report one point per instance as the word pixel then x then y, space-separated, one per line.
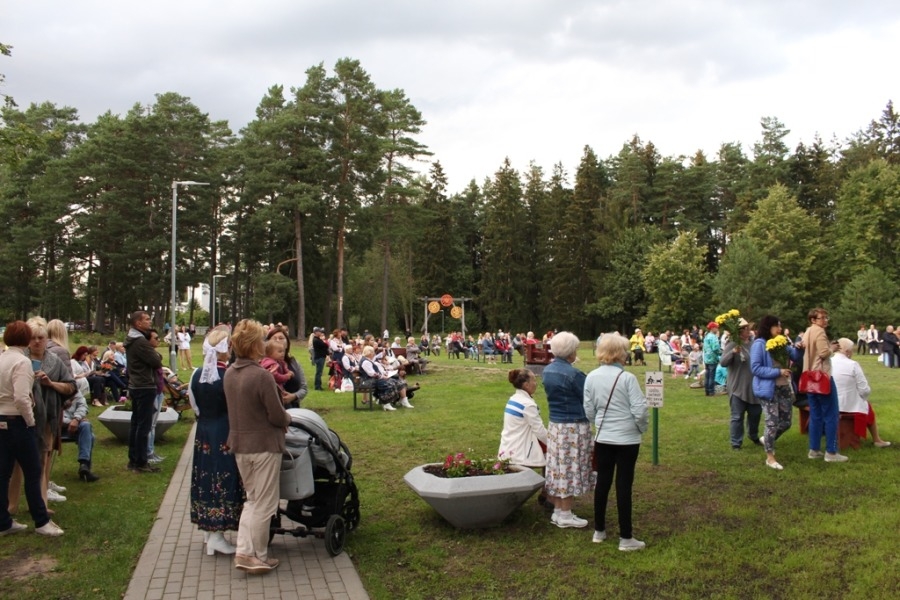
pixel 528 79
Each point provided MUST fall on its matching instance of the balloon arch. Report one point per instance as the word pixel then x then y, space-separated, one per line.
pixel 457 308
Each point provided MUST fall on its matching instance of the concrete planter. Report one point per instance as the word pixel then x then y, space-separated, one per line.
pixel 475 502
pixel 118 421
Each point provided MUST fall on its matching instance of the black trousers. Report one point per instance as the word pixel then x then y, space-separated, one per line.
pixel 619 460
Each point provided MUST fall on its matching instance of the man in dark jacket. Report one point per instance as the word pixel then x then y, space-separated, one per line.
pixel 320 353
pixel 143 363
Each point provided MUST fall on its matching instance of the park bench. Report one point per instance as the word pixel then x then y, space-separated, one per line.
pixel 537 358
pixel 847 437
pixel 364 387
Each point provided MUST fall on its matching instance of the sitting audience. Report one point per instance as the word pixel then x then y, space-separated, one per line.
pixel 853 391
pixel 388 390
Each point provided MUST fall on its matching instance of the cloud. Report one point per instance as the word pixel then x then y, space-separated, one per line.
pixel 528 79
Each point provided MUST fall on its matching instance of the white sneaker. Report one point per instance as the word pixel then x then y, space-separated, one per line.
pixel 836 458
pixel 599 536
pixel 388 407
pixel 51 529
pixel 55 496
pixel 16 527
pixel 405 404
pixel 570 520
pixel 814 454
pixel 627 545
pixel 56 488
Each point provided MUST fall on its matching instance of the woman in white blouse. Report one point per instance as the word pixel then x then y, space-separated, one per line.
pixel 853 389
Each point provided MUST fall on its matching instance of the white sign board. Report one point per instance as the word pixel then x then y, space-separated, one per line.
pixel 653 388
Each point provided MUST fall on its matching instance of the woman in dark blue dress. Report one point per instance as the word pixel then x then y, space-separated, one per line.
pixel 217 494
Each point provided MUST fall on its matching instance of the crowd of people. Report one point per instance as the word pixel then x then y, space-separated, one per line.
pixel 249 378
pixel 759 369
pixel 594 434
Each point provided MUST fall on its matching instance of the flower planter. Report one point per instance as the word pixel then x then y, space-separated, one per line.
pixel 475 502
pixel 118 421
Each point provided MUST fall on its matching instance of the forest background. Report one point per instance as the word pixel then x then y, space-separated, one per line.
pixel 326 210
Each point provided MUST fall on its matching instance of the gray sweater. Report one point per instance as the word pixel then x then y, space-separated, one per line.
pixel 740 378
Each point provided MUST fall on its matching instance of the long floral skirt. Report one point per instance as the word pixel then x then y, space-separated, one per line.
pixel 217 493
pixel 569 447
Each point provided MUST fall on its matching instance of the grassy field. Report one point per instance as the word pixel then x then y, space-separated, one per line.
pixel 717 522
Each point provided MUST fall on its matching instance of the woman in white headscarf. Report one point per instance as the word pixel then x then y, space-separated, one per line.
pixel 217 494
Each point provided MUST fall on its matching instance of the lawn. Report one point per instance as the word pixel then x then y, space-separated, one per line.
pixel 717 522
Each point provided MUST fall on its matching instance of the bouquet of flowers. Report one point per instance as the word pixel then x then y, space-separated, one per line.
pixel 731 322
pixel 458 465
pixel 777 349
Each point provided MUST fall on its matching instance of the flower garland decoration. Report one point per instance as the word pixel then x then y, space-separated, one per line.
pixel 731 322
pixel 777 349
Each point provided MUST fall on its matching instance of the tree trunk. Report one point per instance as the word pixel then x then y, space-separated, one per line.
pixel 301 292
pixel 385 283
pixel 340 272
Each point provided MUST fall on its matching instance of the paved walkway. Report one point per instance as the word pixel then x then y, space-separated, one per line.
pixel 174 563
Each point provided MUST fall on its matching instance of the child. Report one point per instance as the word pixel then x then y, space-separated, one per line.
pixel 695 358
pixel 274 363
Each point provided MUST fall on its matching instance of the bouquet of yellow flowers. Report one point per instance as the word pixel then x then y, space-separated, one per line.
pixel 731 322
pixel 777 349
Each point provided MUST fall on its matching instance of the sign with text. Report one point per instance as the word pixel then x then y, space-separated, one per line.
pixel 653 388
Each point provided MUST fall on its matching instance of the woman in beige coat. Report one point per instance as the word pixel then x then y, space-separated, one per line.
pixel 257 422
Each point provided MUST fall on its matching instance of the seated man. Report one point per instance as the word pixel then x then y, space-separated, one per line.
pixel 76 427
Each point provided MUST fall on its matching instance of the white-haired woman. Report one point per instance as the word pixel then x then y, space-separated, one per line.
pixel 217 494
pixel 569 433
pixel 614 402
pixel 388 390
pixel 853 391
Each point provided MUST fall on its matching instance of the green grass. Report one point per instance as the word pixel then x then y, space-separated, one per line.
pixel 717 522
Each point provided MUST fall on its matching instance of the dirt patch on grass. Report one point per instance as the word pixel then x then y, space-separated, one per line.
pixel 21 568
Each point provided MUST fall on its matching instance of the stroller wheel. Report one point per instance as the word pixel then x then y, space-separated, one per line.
pixel 335 532
pixel 274 525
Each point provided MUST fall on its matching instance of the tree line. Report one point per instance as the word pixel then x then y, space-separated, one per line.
pixel 326 209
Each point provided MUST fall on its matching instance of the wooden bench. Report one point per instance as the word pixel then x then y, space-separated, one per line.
pixel 409 367
pixel 847 437
pixel 537 358
pixel 365 389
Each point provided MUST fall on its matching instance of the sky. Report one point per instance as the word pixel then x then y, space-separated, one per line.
pixel 531 80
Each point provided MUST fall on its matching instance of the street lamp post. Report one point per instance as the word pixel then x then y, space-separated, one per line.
pixel 173 343
pixel 212 308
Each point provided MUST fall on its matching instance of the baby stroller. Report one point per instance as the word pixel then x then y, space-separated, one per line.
pixel 322 498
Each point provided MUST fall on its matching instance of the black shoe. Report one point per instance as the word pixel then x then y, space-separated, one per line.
pixel 755 440
pixel 145 469
pixel 84 474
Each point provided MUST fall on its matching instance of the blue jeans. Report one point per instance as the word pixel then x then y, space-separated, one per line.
pixel 823 418
pixel 142 402
pixel 753 412
pixel 151 437
pixel 18 443
pixel 711 379
pixel 320 364
pixel 85 439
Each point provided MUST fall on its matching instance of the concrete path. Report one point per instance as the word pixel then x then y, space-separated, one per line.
pixel 174 563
